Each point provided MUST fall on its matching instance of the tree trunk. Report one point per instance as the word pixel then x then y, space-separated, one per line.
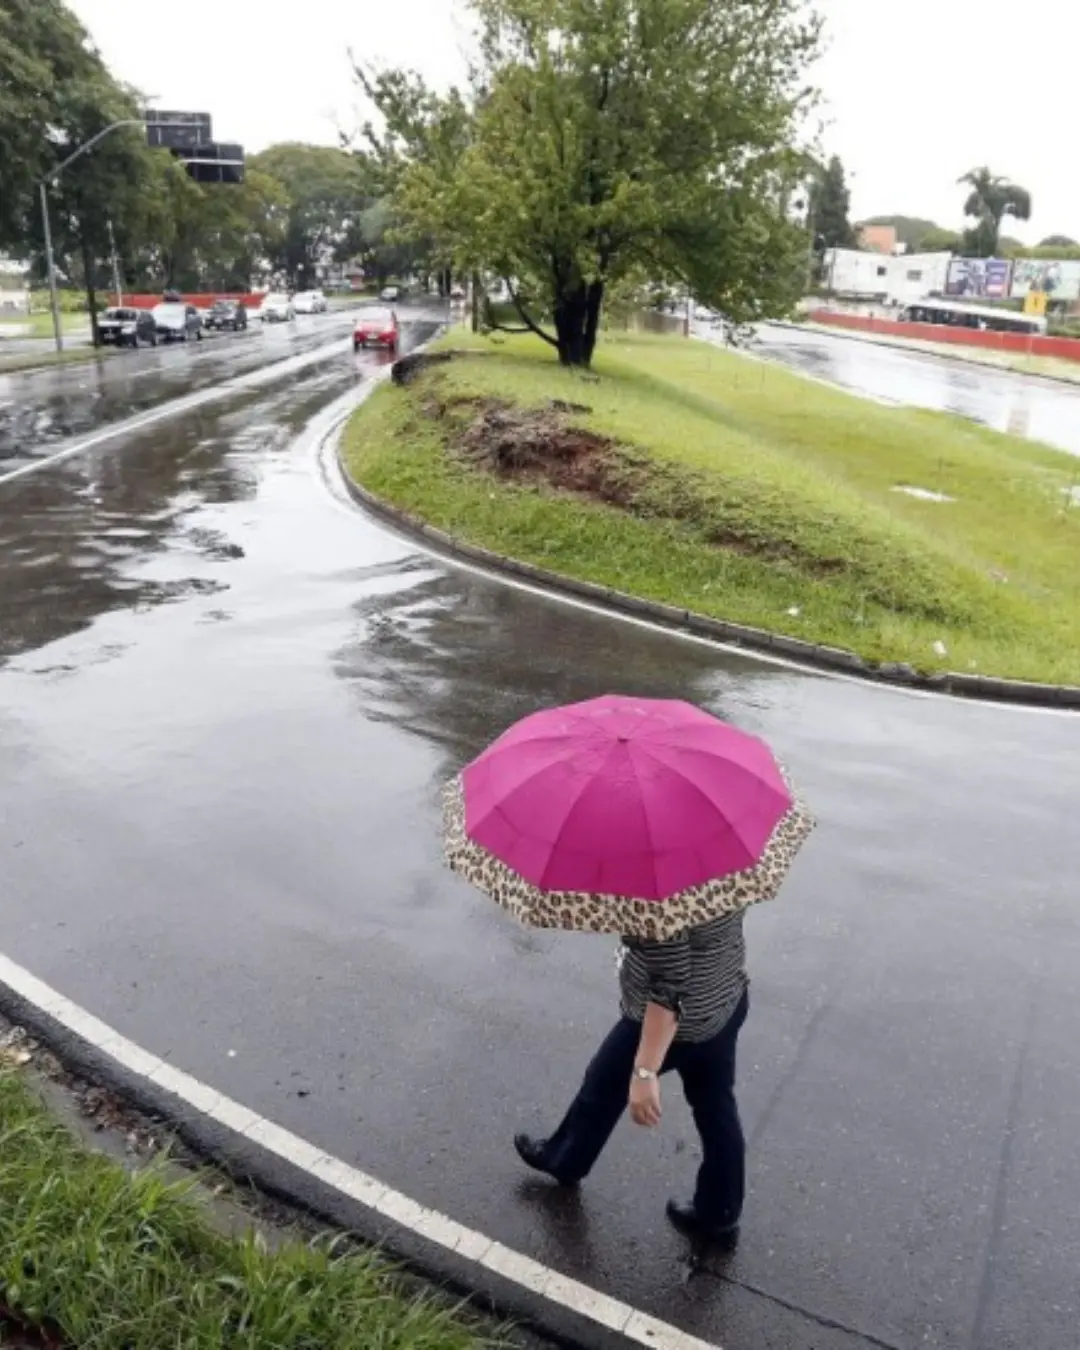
pixel 593 301
pixel 577 315
pixel 91 294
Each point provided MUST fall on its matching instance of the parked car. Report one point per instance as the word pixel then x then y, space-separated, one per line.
pixel 224 314
pixel 123 327
pixel 276 307
pixel 309 302
pixel 377 328
pixel 391 293
pixel 457 292
pixel 177 322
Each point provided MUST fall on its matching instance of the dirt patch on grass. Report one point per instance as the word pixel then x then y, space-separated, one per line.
pixel 546 445
pixel 543 444
pixel 408 368
pixel 16 1334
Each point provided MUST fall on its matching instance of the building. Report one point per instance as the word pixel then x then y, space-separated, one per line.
pixel 877 238
pixel 884 278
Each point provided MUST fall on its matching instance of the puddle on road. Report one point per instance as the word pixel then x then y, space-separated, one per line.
pixel 1003 400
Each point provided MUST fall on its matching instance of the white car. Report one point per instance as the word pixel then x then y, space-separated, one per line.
pixel 390 293
pixel 276 307
pixel 309 302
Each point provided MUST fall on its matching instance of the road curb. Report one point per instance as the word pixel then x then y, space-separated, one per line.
pixel 252 1150
pixel 812 656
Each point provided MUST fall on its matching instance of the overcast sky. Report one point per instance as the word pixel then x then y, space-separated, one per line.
pixel 916 92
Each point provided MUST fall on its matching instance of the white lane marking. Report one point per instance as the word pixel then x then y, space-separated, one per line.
pixel 329 471
pixel 635 1326
pixel 253 379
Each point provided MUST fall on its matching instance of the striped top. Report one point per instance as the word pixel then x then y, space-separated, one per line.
pixel 700 975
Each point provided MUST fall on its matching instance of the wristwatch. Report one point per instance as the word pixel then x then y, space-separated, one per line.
pixel 645 1075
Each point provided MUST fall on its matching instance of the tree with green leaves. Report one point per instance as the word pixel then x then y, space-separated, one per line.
pixel 327 191
pixel 939 240
pixel 28 31
pixel 1058 241
pixel 213 236
pixel 59 95
pixel 991 199
pixel 605 137
pixel 829 206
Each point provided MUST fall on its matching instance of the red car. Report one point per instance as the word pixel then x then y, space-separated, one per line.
pixel 376 328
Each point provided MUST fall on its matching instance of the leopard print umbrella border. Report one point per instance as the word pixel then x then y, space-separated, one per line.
pixel 582 912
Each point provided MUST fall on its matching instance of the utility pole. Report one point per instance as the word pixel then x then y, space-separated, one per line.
pixel 115 265
pixel 43 187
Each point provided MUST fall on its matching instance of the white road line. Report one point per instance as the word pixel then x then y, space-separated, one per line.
pixel 253 379
pixel 603 1310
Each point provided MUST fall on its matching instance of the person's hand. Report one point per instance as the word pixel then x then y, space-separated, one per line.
pixel 645 1102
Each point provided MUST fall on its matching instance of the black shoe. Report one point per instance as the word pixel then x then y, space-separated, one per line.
pixel 532 1153
pixel 725 1237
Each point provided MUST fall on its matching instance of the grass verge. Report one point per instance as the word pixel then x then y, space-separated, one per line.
pixel 93 1256
pixel 22 361
pixel 693 476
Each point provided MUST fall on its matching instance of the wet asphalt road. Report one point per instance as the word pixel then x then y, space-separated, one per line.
pixel 227 704
pixel 41 409
pixel 1023 405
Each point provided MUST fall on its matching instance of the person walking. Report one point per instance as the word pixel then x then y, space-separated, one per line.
pixel 654 820
pixel 683 1004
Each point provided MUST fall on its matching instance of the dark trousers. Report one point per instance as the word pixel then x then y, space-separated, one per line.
pixel 707 1070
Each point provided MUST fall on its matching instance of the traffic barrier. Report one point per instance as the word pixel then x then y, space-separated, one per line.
pixel 201 300
pixel 1028 344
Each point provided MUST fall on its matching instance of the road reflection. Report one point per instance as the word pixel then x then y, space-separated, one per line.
pixel 1037 409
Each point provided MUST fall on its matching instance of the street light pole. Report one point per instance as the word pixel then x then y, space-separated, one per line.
pixel 43 187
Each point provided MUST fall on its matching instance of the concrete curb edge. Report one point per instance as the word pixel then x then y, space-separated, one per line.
pixel 248 1161
pixel 814 656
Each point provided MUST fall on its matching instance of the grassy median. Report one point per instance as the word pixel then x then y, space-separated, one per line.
pixel 93 1256
pixel 700 478
pixel 70 356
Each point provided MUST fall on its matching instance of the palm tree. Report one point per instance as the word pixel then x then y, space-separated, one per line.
pixel 992 199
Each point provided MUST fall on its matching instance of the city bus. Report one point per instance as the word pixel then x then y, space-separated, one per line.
pixel 960 314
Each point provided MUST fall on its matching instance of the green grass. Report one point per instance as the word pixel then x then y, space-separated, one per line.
pixel 73 356
pixel 126 1262
pixel 755 493
pixel 40 324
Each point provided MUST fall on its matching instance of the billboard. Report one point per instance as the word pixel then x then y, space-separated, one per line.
pixel 979 278
pixel 1059 279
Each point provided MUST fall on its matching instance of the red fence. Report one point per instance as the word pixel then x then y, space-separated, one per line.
pixel 1030 344
pixel 200 301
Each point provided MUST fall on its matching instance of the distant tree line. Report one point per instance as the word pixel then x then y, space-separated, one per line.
pixel 299 207
pixel 991 200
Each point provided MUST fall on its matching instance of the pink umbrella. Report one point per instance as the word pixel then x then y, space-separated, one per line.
pixel 624 815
